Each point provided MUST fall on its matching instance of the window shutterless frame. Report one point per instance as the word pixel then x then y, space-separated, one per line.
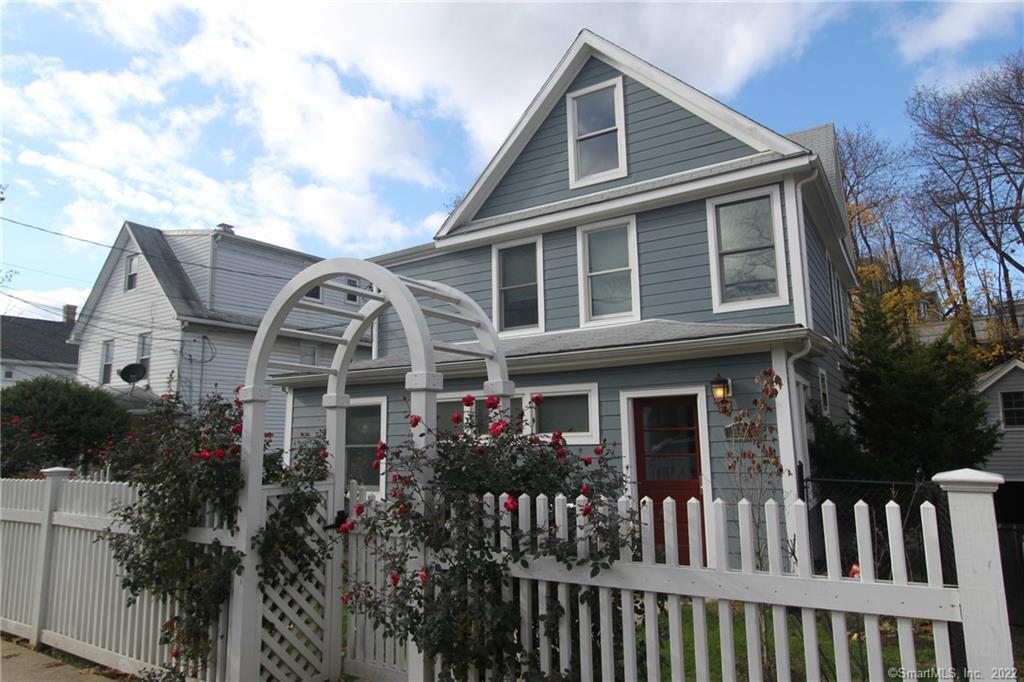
pixel 107 361
pixel 823 397
pixel 590 437
pixel 575 137
pixel 1011 403
pixel 781 296
pixel 145 350
pixel 585 275
pixel 497 289
pixel 131 272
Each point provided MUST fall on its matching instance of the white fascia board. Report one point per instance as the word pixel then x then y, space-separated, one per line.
pixel 100 285
pixel 586 45
pixel 987 381
pixel 633 203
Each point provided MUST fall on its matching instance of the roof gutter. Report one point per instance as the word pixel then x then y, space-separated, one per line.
pixel 620 356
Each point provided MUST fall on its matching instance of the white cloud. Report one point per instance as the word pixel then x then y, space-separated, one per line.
pixel 947 27
pixel 41 303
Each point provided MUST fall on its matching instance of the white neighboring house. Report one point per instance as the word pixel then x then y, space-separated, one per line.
pixel 186 304
pixel 30 348
pixel 1003 388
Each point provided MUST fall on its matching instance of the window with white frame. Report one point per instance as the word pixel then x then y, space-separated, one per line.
pixel 107 362
pixel 823 391
pixel 569 408
pixel 145 350
pixel 609 279
pixel 1013 408
pixel 597 133
pixel 454 415
pixel 518 286
pixel 131 272
pixel 314 293
pixel 748 264
pixel 365 427
pixel 350 297
pixel 309 353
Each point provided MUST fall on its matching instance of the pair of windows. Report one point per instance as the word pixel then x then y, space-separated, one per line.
pixel 144 351
pixel 608 278
pixel 316 293
pixel 571 409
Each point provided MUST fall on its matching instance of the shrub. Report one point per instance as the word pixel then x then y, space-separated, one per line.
pixel 75 421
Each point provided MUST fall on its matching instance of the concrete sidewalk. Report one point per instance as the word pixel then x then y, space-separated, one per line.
pixel 22 664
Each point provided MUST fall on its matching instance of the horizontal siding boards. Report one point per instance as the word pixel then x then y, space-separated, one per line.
pixel 561 283
pixel 1008 460
pixel 675 268
pixel 661 138
pixel 122 316
pixel 469 271
pixel 818 277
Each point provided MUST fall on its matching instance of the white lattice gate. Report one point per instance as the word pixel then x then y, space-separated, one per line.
pixel 295 632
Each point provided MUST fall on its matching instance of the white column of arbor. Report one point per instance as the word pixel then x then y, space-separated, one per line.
pixel 413 301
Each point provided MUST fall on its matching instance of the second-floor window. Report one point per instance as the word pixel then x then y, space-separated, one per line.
pixel 313 294
pixel 1013 408
pixel 349 297
pixel 131 272
pixel 597 133
pixel 106 362
pixel 518 286
pixel 609 286
pixel 145 350
pixel 309 353
pixel 747 258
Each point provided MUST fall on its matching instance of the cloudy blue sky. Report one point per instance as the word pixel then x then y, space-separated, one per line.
pixel 345 129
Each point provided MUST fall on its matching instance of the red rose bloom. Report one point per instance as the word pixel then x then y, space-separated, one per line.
pixel 15 421
pixel 587 509
pixel 233 449
pixel 534 439
pixel 395 578
pixel 599 450
pixel 855 571
pixel 376 464
pixel 587 460
pixel 468 400
pixel 585 489
pixel 561 452
pixel 492 402
pixel 456 417
pixel 382 449
pixel 394 477
pixel 498 428
pixel 346 598
pixel 479 449
pixel 205 455
pixel 219 454
pixel 359 509
pixel 236 428
pixel 239 387
pixel 402 509
pixel 423 575
pixel 511 505
pixel 347 527
pixel 175 653
pixel 537 398
pixel 414 420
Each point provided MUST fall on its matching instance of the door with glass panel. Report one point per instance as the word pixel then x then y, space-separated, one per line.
pixel 667 443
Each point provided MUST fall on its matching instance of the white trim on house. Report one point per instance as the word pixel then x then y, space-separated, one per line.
pixel 796 243
pixel 583 279
pixel 781 296
pixel 289 411
pixel 993 375
pixel 662 193
pixel 626 399
pixel 785 423
pixel 586 45
pixel 538 241
pixel 593 409
pixel 383 402
pixel 619 171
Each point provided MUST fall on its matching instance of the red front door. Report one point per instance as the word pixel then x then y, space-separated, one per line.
pixel 667 446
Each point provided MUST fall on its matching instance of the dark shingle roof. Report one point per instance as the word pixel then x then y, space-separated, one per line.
pixel 25 338
pixel 167 270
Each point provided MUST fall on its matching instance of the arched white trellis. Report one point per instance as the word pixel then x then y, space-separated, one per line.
pixel 388 291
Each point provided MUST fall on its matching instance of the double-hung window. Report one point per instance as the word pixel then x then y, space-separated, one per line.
pixel 518 286
pixel 1013 408
pixel 748 263
pixel 131 272
pixel 608 277
pixel 597 133
pixel 365 427
pixel 145 350
pixel 107 362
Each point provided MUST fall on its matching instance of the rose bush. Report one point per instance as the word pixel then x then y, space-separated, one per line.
pixel 437 543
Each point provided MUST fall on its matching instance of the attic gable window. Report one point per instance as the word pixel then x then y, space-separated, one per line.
pixel 597 133
pixel 131 272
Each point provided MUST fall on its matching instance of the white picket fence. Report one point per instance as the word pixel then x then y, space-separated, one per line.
pixel 603 643
pixel 60 582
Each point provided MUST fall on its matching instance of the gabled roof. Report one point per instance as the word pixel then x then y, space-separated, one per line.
pixel 36 341
pixel 987 379
pixel 587 45
pixel 151 244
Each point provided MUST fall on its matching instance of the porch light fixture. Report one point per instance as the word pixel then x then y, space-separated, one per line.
pixel 720 388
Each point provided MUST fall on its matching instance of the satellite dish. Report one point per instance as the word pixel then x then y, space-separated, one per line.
pixel 133 372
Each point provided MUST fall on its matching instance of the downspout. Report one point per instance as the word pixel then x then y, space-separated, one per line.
pixel 801 443
pixel 802 240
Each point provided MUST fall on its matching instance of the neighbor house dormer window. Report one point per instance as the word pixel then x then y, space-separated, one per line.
pixel 597 133
pixel 748 261
pixel 518 286
pixel 131 272
pixel 1012 403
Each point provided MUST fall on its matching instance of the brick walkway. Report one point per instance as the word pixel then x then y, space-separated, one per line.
pixel 22 664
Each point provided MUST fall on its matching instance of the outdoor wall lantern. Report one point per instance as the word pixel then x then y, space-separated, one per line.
pixel 720 388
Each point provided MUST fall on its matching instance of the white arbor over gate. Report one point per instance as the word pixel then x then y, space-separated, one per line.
pixel 250 643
